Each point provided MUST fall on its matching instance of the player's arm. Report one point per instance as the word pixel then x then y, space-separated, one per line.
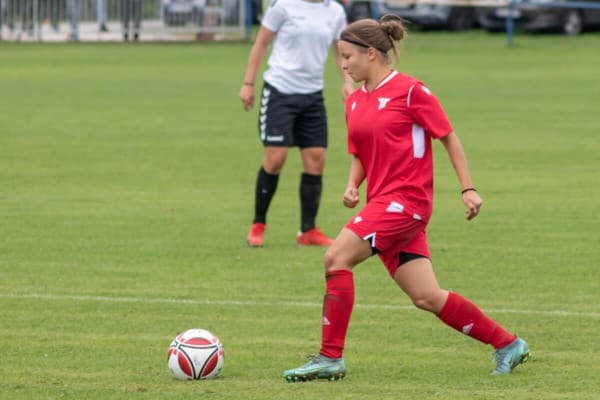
pixel 355 178
pixel 264 38
pixel 459 161
pixel 348 85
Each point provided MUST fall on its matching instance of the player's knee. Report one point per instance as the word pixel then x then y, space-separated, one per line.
pixel 336 259
pixel 329 260
pixel 274 167
pixel 426 301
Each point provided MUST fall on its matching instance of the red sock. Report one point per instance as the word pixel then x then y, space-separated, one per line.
pixel 337 308
pixel 466 317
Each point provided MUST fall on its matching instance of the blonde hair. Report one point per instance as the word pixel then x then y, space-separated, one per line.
pixel 381 35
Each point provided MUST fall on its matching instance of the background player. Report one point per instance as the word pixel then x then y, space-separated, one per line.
pixel 292 112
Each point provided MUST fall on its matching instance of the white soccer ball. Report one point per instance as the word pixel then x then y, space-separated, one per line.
pixel 195 354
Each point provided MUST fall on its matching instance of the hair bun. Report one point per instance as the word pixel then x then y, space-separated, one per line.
pixel 393 26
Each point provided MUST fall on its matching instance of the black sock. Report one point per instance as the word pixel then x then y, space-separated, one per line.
pixel 310 198
pixel 266 185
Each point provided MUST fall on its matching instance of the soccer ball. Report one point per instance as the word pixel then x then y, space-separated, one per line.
pixel 195 354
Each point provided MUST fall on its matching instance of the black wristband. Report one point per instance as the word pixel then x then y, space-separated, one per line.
pixel 468 190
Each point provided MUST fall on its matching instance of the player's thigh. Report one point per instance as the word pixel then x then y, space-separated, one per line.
pixel 346 251
pixel 310 129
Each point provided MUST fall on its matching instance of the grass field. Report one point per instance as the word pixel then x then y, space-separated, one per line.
pixel 126 191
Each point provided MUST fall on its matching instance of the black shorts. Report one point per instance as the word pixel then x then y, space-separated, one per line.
pixel 286 120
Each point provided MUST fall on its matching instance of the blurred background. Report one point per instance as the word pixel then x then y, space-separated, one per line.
pixel 206 20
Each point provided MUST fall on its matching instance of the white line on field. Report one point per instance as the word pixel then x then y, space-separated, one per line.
pixel 247 303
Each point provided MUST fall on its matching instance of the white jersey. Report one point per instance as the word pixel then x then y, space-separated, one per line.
pixel 304 34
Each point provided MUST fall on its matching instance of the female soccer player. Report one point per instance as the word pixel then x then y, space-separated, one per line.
pixel 292 112
pixel 391 120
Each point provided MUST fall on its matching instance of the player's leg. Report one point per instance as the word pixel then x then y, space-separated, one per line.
pixel 264 191
pixel 275 127
pixel 137 18
pixel 310 134
pixel 126 15
pixel 347 251
pixel 418 281
pixel 313 160
pixel 311 187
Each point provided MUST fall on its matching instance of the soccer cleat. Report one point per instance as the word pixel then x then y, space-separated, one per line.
pixel 256 235
pixel 317 367
pixel 511 355
pixel 313 237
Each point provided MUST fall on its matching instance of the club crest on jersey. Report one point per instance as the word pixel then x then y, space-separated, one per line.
pixel 382 102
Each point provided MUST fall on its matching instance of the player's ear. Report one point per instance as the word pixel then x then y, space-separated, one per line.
pixel 372 53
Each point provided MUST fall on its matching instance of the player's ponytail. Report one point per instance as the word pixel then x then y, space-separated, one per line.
pixel 380 35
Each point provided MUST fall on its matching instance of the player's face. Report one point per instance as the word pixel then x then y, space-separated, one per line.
pixel 355 60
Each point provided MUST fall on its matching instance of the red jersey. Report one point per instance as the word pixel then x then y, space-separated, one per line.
pixel 390 131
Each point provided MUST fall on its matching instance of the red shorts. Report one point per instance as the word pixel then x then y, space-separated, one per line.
pixel 391 231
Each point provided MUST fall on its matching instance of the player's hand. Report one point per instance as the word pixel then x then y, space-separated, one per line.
pixel 247 96
pixel 473 204
pixel 347 89
pixel 351 198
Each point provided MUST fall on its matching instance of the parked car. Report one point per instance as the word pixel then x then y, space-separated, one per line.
pixel 541 17
pixel 181 12
pixel 424 13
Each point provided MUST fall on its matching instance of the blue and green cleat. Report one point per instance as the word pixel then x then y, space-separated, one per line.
pixel 317 367
pixel 509 356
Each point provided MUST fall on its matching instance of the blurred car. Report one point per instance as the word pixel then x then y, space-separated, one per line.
pixel 424 13
pixel 540 17
pixel 181 12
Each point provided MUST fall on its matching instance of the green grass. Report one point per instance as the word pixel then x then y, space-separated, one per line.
pixel 126 191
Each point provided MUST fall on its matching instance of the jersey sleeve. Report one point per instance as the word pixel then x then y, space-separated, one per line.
pixel 274 16
pixel 426 110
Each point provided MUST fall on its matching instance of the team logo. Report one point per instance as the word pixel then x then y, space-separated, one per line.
pixel 382 102
pixel 395 207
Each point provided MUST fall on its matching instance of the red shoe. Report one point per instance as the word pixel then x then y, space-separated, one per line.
pixel 313 237
pixel 256 234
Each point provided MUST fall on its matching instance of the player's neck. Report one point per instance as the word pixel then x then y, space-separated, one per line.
pixel 376 76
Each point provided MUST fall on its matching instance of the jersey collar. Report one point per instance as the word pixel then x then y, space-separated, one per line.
pixel 385 80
